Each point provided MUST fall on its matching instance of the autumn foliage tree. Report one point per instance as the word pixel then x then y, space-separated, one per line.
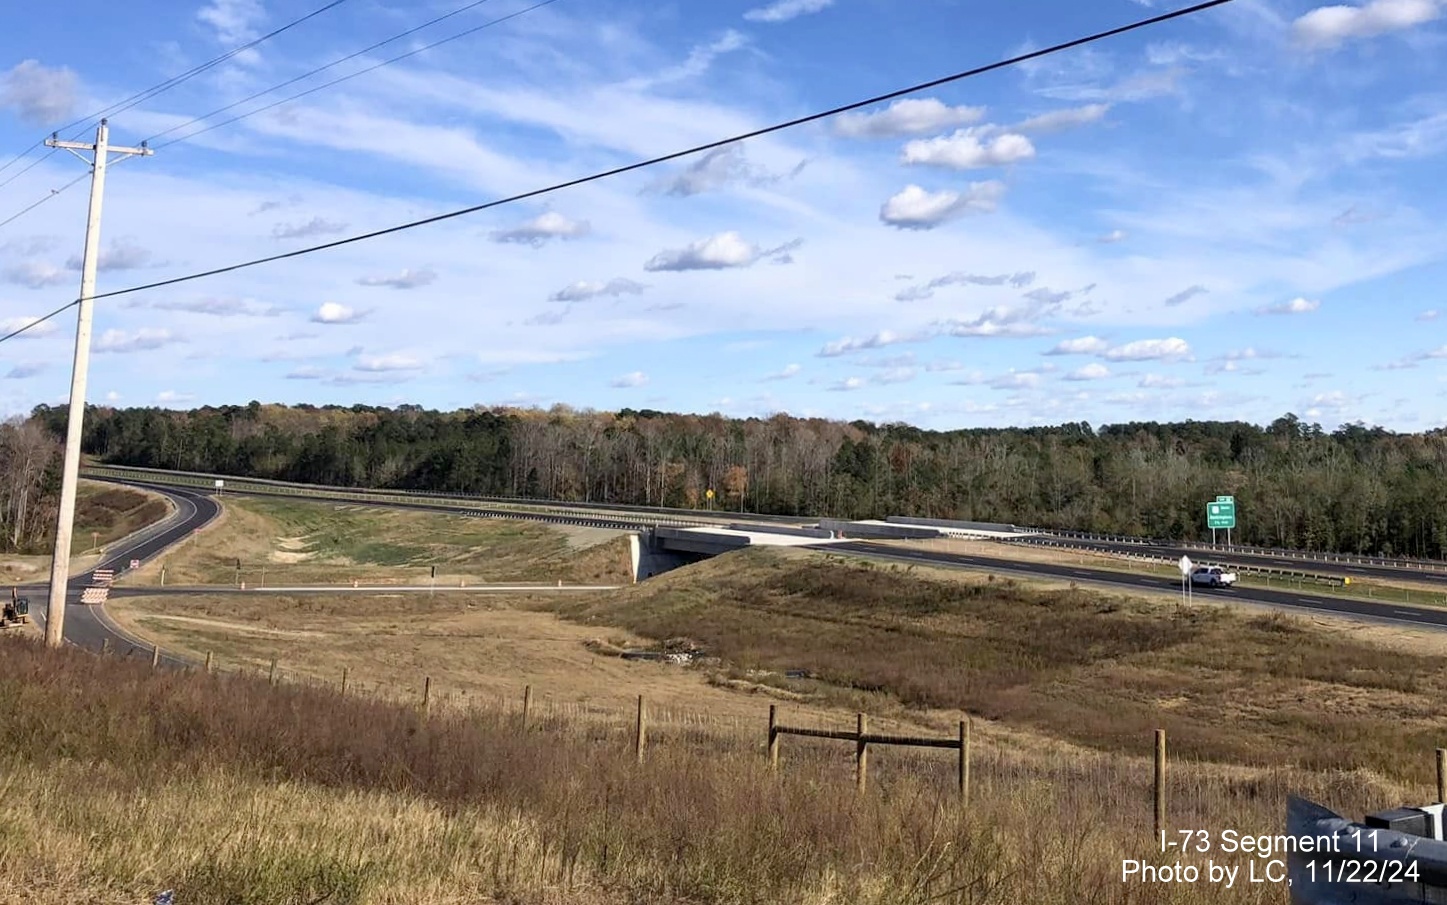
pixel 1355 489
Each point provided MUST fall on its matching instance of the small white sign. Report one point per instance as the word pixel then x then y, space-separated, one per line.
pixel 1185 565
pixel 135 564
pixel 220 483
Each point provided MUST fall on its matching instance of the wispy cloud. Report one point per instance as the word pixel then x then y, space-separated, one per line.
pixel 407 279
pixel 316 226
pixel 584 290
pixel 1295 306
pixel 784 10
pixel 630 381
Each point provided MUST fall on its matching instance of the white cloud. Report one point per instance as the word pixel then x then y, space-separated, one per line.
pixel 1110 238
pixel 306 372
pixel 1430 314
pixel 1328 26
pixel 121 255
pixel 1085 345
pixel 1093 371
pixel 630 381
pixel 911 116
pixel 1016 380
pixel 219 307
pixel 377 364
pixel 1058 120
pixel 407 279
pixel 895 375
pixel 582 291
pixel 234 21
pixel 39 95
pixel 1295 306
pixel 877 341
pixel 915 208
pixel 966 151
pixel 316 226
pixel 171 397
pixel 784 10
pixel 788 371
pixel 848 384
pixel 34 274
pixel 542 228
pixel 720 252
pixel 142 340
pixel 336 313
pixel 9 325
pixel 1149 350
pixel 1160 382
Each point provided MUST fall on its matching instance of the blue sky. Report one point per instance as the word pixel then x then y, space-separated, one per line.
pixel 1229 216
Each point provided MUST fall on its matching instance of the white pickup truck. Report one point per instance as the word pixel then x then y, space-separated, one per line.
pixel 1212 577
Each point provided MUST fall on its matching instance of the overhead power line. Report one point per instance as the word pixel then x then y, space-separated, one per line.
pixel 320 69
pixel 337 81
pixel 168 84
pixel 654 161
pixel 53 192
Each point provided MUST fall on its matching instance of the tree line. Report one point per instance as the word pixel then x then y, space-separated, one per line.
pixel 1355 489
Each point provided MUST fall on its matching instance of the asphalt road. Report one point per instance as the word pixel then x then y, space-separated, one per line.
pixel 89 626
pixel 1398 614
pixel 1255 560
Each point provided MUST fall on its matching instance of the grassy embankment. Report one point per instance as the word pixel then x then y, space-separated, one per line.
pixel 286 795
pixel 284 542
pixel 103 514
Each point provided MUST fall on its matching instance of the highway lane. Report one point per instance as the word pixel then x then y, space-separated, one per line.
pixel 1395 613
pixel 88 626
pixel 1255 560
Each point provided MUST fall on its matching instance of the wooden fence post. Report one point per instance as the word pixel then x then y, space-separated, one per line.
pixel 774 737
pixel 1160 809
pixel 1442 774
pixel 426 692
pixel 344 680
pixel 271 676
pixel 861 755
pixel 964 761
pixel 527 703
pixel 641 733
pixel 105 646
pixel 155 655
pixel 208 661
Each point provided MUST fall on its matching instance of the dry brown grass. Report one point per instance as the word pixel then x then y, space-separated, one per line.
pixel 1099 670
pixel 288 542
pixel 119 783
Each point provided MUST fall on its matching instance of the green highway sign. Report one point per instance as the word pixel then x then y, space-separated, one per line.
pixel 1221 514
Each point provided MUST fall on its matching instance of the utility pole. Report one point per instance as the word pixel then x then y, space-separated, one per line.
pixel 70 472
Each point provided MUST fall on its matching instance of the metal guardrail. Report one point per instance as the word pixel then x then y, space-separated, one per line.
pixel 1287 574
pixel 200 479
pixel 248 486
pixel 1281 553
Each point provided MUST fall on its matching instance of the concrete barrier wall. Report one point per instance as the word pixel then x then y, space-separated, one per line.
pixel 820 532
pixel 843 528
pixel 946 523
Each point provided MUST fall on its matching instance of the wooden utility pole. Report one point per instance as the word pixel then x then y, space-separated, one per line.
pixel 75 417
